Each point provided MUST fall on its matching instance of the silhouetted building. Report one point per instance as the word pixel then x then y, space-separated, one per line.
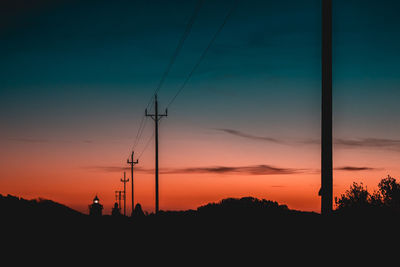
pixel 96 209
pixel 116 211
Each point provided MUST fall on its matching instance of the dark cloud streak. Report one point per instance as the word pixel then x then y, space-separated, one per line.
pixel 249 170
pixel 355 169
pixel 249 136
pixel 390 144
pixel 240 170
pixel 261 169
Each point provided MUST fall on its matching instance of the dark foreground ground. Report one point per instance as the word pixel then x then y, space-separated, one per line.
pixel 226 234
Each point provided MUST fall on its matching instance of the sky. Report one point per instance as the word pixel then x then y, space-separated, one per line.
pixel 76 77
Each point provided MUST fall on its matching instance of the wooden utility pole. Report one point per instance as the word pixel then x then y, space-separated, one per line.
pixel 326 191
pixel 156 117
pixel 133 163
pixel 118 195
pixel 124 180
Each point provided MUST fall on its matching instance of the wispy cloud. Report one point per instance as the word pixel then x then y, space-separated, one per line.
pixel 392 144
pixel 250 136
pixel 239 170
pixel 42 141
pixel 261 169
pixel 107 168
pixel 380 143
pixel 28 140
pixel 355 169
pixel 248 170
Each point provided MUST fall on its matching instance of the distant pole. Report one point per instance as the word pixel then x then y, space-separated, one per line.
pixel 118 196
pixel 156 117
pixel 124 180
pixel 326 124
pixel 132 164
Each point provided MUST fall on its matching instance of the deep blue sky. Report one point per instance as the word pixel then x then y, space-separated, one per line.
pixel 102 57
pixel 109 57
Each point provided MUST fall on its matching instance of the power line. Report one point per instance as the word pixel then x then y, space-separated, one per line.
pixel 177 50
pixel 147 144
pixel 139 132
pixel 145 147
pixel 169 66
pixel 180 45
pixel 204 52
pixel 141 128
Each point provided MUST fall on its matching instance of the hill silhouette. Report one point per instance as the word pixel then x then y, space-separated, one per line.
pixel 247 227
pixel 15 207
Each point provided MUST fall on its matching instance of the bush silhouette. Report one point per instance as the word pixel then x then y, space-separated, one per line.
pixel 389 191
pixel 138 210
pixel 243 206
pixel 358 198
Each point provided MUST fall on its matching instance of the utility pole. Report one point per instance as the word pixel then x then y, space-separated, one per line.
pixel 326 191
pixel 124 180
pixel 132 164
pixel 118 195
pixel 156 117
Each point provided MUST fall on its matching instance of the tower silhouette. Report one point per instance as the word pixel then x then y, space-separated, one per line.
pixel 96 209
pixel 326 123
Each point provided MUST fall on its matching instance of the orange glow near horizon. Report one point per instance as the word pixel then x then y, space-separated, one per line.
pixel 72 174
pixel 76 186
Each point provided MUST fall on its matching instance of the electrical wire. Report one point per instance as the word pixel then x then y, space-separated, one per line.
pixel 180 44
pixel 204 53
pixel 168 69
pixel 145 147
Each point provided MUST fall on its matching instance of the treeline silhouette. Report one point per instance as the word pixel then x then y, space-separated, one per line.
pixel 238 218
pixel 357 200
pixel 228 228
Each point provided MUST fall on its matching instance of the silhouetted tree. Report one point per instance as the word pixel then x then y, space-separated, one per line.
pixel 115 210
pixel 356 197
pixel 246 206
pixel 376 199
pixel 389 190
pixel 138 210
pixel 386 197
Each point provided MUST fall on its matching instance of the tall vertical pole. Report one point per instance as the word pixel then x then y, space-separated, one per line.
pixel 156 117
pixel 326 125
pixel 116 200
pixel 156 152
pixel 132 164
pixel 118 197
pixel 124 180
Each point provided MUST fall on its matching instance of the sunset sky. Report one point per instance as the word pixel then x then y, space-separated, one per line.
pixel 76 76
